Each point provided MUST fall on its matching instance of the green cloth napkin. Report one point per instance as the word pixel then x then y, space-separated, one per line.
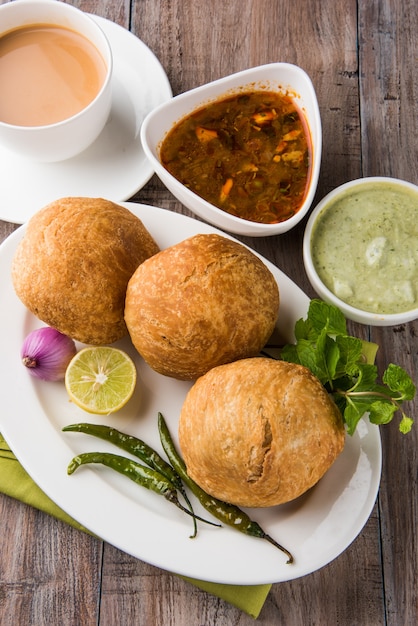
pixel 15 482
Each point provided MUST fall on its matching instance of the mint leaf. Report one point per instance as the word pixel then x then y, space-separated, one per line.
pixel 290 353
pixel 399 381
pixel 303 330
pixel 350 349
pixel 326 316
pixel 333 357
pixel 381 412
pixel 366 378
pixel 303 353
pixel 405 425
pixel 327 355
pixel 320 356
pixel 353 413
pixel 345 366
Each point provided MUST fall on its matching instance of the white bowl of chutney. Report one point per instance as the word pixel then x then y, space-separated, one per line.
pixel 281 78
pixel 360 250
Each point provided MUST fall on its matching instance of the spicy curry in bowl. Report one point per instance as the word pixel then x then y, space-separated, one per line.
pixel 242 152
pixel 248 154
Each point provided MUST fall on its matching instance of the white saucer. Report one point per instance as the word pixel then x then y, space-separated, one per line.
pixel 115 166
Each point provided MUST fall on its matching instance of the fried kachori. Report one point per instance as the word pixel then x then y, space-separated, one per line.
pixel 259 432
pixel 205 301
pixel 74 262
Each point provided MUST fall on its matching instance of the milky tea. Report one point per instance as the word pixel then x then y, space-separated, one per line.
pixel 47 74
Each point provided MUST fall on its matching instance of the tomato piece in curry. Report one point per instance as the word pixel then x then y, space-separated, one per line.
pixel 248 154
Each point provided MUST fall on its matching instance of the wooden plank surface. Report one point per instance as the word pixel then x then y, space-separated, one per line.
pixel 389 127
pixel 361 57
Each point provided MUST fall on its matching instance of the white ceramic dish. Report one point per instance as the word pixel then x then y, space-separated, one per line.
pixel 350 311
pixel 316 528
pixel 114 166
pixel 274 76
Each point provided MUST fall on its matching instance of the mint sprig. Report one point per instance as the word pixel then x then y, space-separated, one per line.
pixel 345 366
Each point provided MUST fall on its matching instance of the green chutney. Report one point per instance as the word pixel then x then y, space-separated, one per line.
pixel 365 247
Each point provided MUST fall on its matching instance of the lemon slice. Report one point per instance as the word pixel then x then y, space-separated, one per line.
pixel 100 379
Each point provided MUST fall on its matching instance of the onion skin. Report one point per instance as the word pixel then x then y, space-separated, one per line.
pixel 46 353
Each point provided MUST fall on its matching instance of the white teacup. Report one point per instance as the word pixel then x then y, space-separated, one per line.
pixel 54 140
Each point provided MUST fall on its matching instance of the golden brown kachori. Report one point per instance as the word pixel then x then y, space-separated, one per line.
pixel 74 262
pixel 259 432
pixel 205 301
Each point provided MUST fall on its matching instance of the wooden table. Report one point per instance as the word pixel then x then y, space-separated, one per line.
pixel 361 56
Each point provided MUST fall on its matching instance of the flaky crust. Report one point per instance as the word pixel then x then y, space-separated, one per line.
pixel 205 301
pixel 259 432
pixel 73 264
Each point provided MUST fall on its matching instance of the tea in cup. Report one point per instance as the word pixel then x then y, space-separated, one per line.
pixel 55 79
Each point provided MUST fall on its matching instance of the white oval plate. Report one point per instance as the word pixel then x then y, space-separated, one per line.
pixel 114 166
pixel 316 528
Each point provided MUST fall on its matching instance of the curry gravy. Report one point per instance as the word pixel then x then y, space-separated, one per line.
pixel 248 154
pixel 47 74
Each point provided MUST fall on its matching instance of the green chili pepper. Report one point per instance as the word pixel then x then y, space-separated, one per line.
pixel 130 444
pixel 137 448
pixel 147 477
pixel 144 476
pixel 227 513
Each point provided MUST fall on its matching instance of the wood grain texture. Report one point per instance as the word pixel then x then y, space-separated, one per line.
pixel 361 57
pixel 389 126
pixel 389 90
pixel 49 573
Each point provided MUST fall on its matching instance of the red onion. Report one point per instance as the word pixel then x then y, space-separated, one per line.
pixel 46 353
